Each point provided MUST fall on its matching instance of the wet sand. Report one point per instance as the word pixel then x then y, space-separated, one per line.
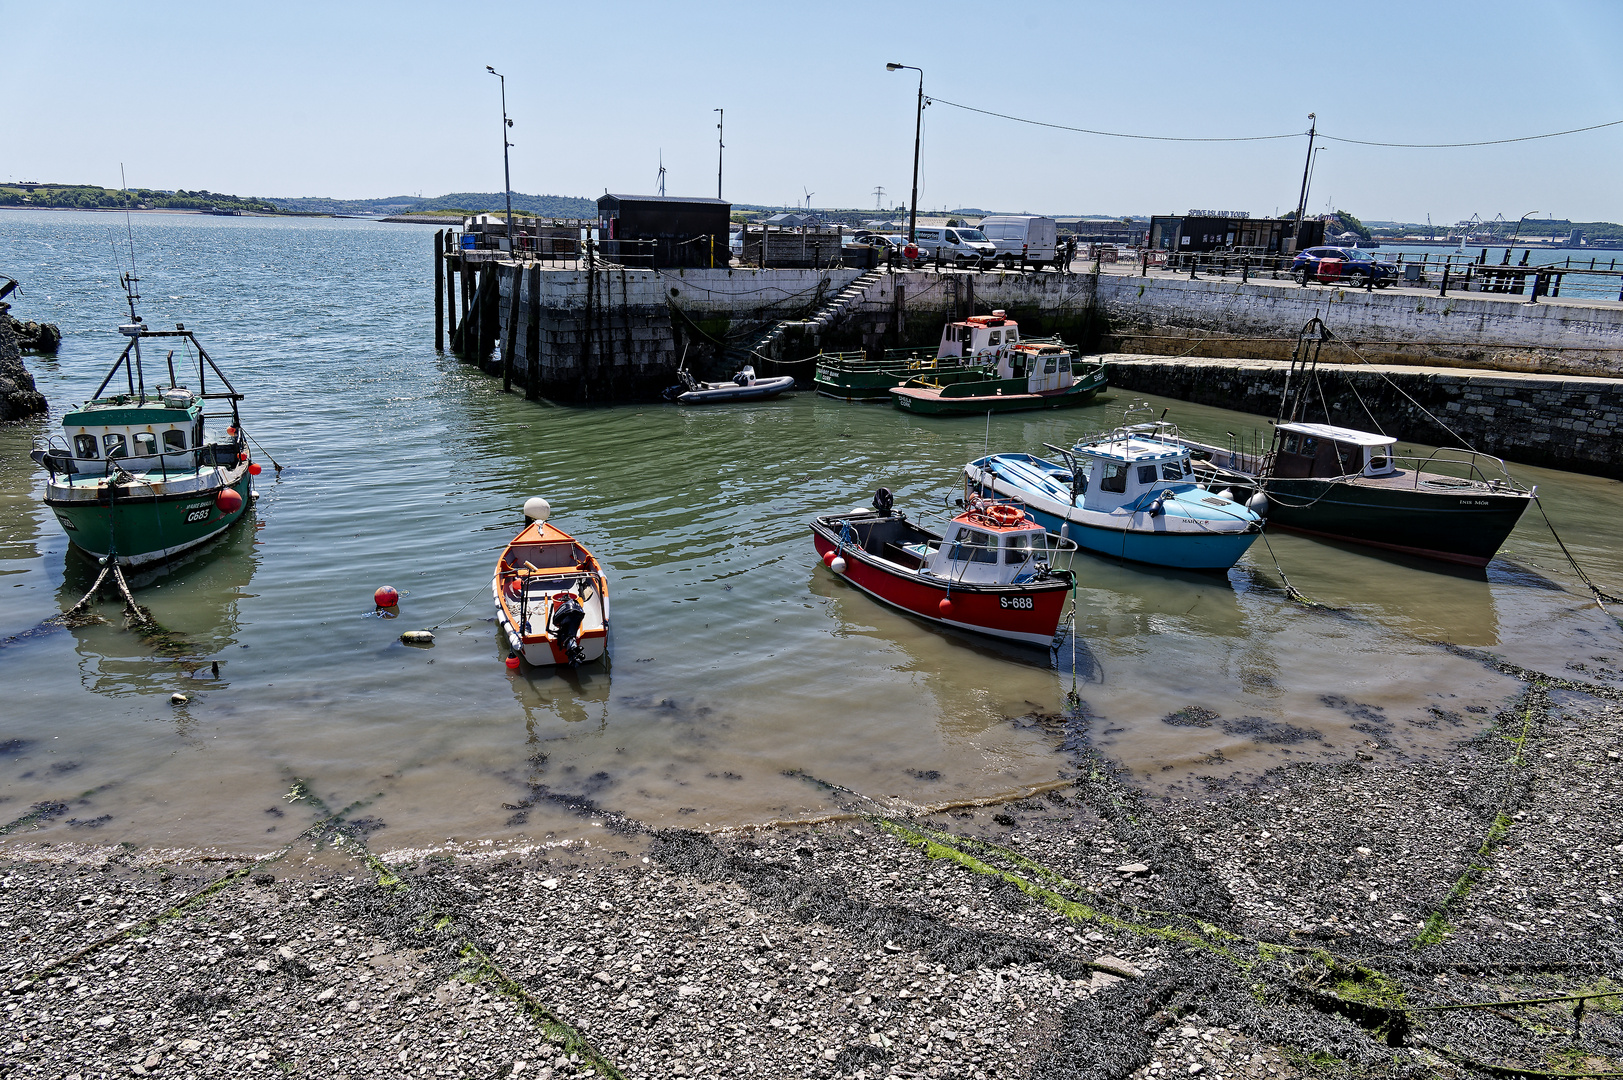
pixel 1307 921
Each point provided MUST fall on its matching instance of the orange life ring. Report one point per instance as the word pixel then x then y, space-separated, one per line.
pixel 515 588
pixel 1004 515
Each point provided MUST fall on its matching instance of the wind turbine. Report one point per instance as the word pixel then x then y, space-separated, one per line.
pixel 662 174
pixel 809 194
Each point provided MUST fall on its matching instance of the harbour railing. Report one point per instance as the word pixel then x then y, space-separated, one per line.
pixel 1591 278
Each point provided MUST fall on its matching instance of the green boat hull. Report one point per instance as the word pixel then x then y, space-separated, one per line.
pixel 980 398
pixel 139 530
pixel 852 377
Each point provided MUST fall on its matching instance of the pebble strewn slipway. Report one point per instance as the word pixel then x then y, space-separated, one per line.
pixel 1258 839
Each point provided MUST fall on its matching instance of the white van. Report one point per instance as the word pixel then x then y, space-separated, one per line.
pixel 1029 235
pixel 958 246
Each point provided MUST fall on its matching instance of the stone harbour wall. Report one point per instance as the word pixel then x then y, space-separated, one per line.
pixel 1547 420
pixel 1229 320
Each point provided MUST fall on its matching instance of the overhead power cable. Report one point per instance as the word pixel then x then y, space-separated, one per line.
pixel 1265 138
pixel 1484 142
pixel 1115 134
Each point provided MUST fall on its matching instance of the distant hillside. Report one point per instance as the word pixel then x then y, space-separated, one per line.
pixel 472 202
pixel 95 197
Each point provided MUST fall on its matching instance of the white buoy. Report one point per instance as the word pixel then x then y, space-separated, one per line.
pixel 1258 504
pixel 838 565
pixel 537 509
pixel 1226 493
pixel 417 637
pixel 178 698
pixel 1065 530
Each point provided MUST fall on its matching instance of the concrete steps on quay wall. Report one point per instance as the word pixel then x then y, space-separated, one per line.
pixel 1557 421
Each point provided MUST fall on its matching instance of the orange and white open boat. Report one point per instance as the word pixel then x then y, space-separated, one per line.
pixel 552 603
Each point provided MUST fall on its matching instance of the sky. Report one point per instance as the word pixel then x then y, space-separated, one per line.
pixel 365 100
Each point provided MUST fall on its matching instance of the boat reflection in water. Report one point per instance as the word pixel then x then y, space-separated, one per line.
pixel 572 694
pixel 196 600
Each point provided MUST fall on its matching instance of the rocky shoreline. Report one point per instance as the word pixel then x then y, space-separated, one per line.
pixel 18 397
pixel 1322 919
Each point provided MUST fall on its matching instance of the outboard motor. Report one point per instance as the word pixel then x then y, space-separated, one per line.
pixel 567 615
pixel 745 376
pixel 883 501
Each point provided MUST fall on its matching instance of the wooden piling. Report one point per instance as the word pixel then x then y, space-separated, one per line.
pixel 450 287
pixel 512 330
pixel 439 290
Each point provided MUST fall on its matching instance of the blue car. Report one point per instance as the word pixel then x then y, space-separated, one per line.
pixel 1342 265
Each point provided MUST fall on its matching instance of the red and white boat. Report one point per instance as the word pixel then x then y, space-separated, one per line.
pixel 552 603
pixel 991 573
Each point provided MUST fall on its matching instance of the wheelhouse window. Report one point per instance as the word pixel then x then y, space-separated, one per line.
pixel 174 440
pixel 113 445
pixel 146 444
pixel 1018 550
pixel 1114 478
pixel 1051 366
pixel 1379 458
pixel 1171 470
pixel 1146 474
pixel 85 446
pixel 995 337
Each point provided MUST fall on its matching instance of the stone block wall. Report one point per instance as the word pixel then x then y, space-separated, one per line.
pixel 1557 422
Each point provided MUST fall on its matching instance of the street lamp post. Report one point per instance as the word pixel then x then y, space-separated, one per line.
pixel 1518 231
pixel 721 118
pixel 918 128
pixel 507 172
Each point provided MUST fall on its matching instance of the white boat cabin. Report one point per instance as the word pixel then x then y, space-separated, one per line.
pixel 994 340
pixel 162 433
pixel 977 547
pixel 1323 450
pixel 1122 469
pixel 978 334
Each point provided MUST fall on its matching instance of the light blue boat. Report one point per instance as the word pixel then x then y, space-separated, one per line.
pixel 1130 494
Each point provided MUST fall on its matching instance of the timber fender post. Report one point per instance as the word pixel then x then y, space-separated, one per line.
pixel 439 290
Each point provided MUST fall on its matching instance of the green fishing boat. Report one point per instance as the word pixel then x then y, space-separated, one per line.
pixel 1034 373
pixel 144 474
pixel 870 376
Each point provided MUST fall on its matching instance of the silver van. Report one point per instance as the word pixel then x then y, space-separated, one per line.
pixel 957 245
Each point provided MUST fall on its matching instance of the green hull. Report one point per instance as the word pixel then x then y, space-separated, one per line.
pixel 852 377
pixel 139 530
pixel 981 398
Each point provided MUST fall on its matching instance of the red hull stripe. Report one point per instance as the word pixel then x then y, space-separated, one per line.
pixel 983 612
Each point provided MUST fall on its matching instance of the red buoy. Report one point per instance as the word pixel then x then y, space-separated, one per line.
pixel 254 469
pixel 386 596
pixel 512 661
pixel 828 558
pixel 241 458
pixel 228 500
pixel 945 607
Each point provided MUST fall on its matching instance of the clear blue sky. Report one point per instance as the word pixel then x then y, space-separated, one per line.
pixel 372 99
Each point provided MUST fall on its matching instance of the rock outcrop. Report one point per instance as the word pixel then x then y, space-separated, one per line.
pixel 18 398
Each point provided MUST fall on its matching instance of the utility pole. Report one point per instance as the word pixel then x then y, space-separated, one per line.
pixel 879 198
pixel 1301 202
pixel 721 118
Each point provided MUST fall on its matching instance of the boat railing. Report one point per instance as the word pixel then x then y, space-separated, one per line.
pixel 1477 466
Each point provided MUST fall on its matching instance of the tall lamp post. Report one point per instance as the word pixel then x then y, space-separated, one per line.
pixel 918 128
pixel 507 173
pixel 1518 231
pixel 721 118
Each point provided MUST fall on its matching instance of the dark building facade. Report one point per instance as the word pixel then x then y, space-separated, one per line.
pixel 1198 232
pixel 670 232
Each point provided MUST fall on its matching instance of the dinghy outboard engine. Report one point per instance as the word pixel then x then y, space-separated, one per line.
pixel 883 501
pixel 745 376
pixel 567 615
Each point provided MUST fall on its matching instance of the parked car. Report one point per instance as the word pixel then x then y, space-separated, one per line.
pixel 883 241
pixel 1028 237
pixel 1342 264
pixel 958 245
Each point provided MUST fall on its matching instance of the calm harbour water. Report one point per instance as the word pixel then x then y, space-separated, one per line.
pixel 735 656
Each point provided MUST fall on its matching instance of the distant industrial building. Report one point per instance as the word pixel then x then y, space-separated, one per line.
pixel 652 230
pixel 1202 231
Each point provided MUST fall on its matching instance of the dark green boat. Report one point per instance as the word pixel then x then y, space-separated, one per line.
pixel 140 476
pixel 863 376
pixel 1031 375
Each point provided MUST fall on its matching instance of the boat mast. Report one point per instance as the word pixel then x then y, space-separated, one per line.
pixel 131 296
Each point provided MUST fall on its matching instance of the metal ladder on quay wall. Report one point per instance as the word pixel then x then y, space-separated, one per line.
pixel 818 321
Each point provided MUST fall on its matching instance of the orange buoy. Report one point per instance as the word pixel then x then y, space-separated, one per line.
pixel 945 607
pixel 254 469
pixel 386 596
pixel 229 500
pixel 512 661
pixel 828 558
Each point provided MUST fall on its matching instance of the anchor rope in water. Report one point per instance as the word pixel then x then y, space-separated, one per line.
pixel 1601 595
pixel 1291 591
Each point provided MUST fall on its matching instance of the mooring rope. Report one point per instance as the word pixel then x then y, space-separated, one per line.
pixel 1601 595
